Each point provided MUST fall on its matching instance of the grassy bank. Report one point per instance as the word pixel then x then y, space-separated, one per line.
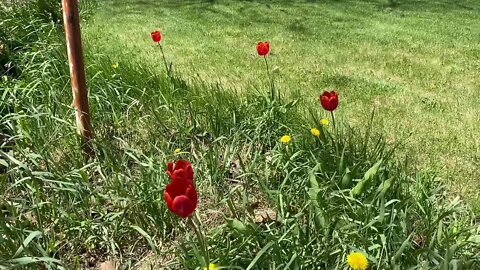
pixel 409 61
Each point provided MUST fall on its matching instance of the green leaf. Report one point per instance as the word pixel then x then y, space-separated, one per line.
pixel 382 210
pixel 84 175
pixel 24 260
pixel 15 161
pixel 359 188
pixel 372 172
pixel 29 260
pixel 374 246
pixel 402 248
pixel 341 164
pixel 384 187
pixel 3 163
pixel 474 239
pixel 259 254
pixel 367 179
pixel 27 241
pixel 314 189
pixel 347 178
pixel 147 237
pixel 288 266
pixel 237 225
pixel 313 194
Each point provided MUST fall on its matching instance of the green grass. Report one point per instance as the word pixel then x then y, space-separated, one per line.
pixel 417 62
pixel 262 204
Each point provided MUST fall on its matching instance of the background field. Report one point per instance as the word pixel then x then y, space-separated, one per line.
pixel 417 62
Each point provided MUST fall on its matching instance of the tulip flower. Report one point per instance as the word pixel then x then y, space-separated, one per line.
pixel 263 48
pixel 181 198
pixel 180 195
pixel 156 36
pixel 329 100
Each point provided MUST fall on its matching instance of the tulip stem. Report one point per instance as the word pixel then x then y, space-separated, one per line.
pixel 333 120
pixel 200 236
pixel 272 84
pixel 164 60
pixel 336 133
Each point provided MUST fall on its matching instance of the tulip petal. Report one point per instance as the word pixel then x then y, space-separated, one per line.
pixel 175 189
pixel 181 199
pixel 168 200
pixel 186 166
pixel 192 194
pixel 182 171
pixel 181 164
pixel 169 169
pixel 183 206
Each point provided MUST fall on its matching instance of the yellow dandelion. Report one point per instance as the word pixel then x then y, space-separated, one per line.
pixel 177 150
pixel 115 66
pixel 324 121
pixel 211 266
pixel 285 139
pixel 357 261
pixel 315 132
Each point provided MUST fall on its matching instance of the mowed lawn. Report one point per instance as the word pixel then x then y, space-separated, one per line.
pixel 417 63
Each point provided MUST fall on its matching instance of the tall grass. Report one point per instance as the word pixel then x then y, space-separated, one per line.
pixel 263 204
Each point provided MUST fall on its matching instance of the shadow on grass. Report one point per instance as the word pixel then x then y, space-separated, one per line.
pixel 406 5
pixel 431 6
pixel 247 12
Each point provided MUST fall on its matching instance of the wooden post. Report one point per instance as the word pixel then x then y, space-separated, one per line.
pixel 77 74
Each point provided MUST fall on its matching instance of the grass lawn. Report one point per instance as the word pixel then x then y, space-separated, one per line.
pixel 416 63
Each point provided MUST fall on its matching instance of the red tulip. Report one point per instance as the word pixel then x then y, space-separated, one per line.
pixel 329 100
pixel 263 48
pixel 156 36
pixel 180 195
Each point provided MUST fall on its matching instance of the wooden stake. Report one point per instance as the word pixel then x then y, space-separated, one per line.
pixel 77 74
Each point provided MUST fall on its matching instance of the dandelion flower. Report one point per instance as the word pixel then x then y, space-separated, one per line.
pixel 285 139
pixel 324 121
pixel 315 132
pixel 211 266
pixel 115 66
pixel 357 261
pixel 177 150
